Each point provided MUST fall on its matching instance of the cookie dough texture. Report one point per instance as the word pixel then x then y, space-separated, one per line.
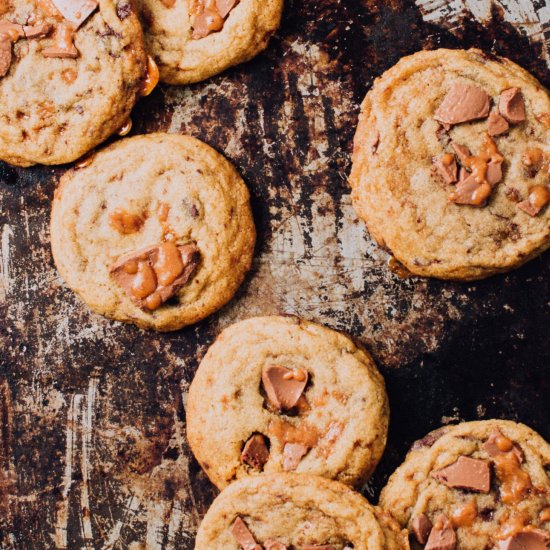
pixel 412 491
pixel 184 60
pixel 203 200
pixel 298 510
pixel 54 110
pixel 346 396
pixel 402 199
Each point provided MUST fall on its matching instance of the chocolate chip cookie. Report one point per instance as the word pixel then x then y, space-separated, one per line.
pixel 476 485
pixel 451 164
pixel 296 512
pixel 279 394
pixel 70 73
pixel 156 230
pixel 192 40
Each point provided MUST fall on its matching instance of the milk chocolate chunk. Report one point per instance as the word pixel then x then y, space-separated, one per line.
pixel 153 275
pixel 442 536
pixel 539 197
pixel 511 105
pixel 243 535
pixel 466 473
pixel 37 31
pixel 463 102
pixel 422 528
pixel 255 452
pixel 225 6
pixel 292 455
pixel 274 545
pixel 534 539
pixel 497 124
pixel 494 172
pixel 447 167
pixel 471 192
pixel 63 46
pixel 461 151
pixel 12 31
pixel 76 11
pixel 283 386
pixel 205 23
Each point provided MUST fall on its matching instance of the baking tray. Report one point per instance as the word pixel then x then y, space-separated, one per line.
pixel 92 427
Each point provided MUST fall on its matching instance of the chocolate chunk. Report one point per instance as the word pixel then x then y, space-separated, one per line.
pixel 539 197
pixel 497 444
pixel 463 102
pixel 243 535
pixel 422 528
pixel 534 539
pixel 272 544
pixel 497 124
pixel 154 274
pixel 470 192
pixel 466 473
pixel 511 105
pixel 37 31
pixel 494 172
pixel 76 11
pixel 442 536
pixel 225 6
pixel 283 386
pixel 292 454
pixel 255 452
pixel 12 31
pixel 63 46
pixel 461 151
pixel 446 166
pixel 429 439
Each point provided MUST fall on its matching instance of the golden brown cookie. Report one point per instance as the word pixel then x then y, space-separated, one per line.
pixel 156 230
pixel 293 511
pixel 192 40
pixel 476 485
pixel 67 81
pixel 282 394
pixel 450 164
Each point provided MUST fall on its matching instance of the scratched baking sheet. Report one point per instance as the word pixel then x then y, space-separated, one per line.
pixel 92 429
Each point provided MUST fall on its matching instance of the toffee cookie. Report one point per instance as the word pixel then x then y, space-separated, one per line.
pixel 296 512
pixel 474 486
pixel 156 230
pixel 192 40
pixel 451 164
pixel 279 394
pixel 70 74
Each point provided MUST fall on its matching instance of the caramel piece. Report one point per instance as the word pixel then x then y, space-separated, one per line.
pixel 76 11
pixel 466 473
pixel 161 271
pixel 243 535
pixel 168 3
pixel 497 444
pixel 152 77
pixel 511 105
pixel 205 23
pixel 463 102
pixel 63 46
pixel 442 535
pixel 533 157
pixel 292 455
pixel 539 197
pixel 447 167
pixel 285 432
pixel 465 514
pixel 225 6
pixel 422 528
pixel 545 514
pixel 532 539
pixel 283 386
pixel 125 222
pixel 255 452
pixel 497 124
pixel 515 483
pixel 272 544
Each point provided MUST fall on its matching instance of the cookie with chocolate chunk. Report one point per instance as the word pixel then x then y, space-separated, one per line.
pixel 157 230
pixel 192 40
pixel 70 74
pixel 451 164
pixel 277 394
pixel 292 511
pixel 474 485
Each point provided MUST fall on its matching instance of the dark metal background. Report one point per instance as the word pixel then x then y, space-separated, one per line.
pixel 92 448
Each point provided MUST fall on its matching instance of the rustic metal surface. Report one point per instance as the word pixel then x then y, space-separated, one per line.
pixel 92 448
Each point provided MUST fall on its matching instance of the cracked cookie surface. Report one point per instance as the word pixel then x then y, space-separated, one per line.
pixel 407 205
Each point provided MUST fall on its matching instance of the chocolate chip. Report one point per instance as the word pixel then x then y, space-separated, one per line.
pixel 255 452
pixel 447 167
pixel 292 455
pixel 463 102
pixel 442 536
pixel 497 124
pixel 283 386
pixel 511 105
pixel 243 535
pixel 466 473
pixel 429 440
pixel 534 539
pixel 422 528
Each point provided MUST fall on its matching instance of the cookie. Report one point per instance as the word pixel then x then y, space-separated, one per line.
pixel 298 512
pixel 157 230
pixel 68 79
pixel 451 164
pixel 192 40
pixel 473 486
pixel 279 393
